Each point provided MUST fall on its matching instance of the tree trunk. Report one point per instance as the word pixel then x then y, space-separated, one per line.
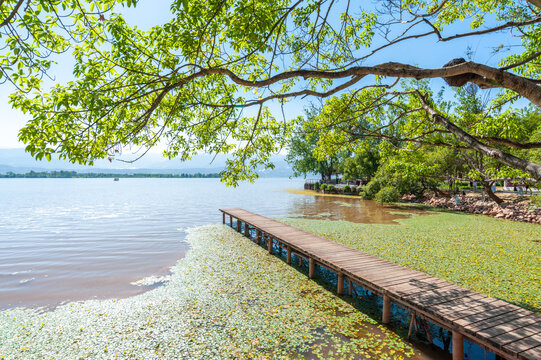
pixel 490 193
pixel 442 193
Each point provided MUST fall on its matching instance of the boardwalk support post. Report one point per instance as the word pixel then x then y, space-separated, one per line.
pixel 247 230
pixel 231 220
pixel 258 236
pixel 340 289
pixel 269 244
pixel 289 255
pixel 350 287
pixel 386 317
pixel 458 346
pixel 223 218
pixel 311 268
pixel 238 225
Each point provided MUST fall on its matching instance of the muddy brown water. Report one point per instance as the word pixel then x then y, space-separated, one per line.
pixel 348 208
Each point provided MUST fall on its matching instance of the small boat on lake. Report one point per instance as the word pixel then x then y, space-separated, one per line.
pixel 116 179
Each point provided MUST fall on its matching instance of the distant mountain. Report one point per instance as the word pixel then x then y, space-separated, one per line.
pixel 19 162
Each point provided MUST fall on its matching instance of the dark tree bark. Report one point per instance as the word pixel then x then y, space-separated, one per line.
pixel 487 186
pixel 442 193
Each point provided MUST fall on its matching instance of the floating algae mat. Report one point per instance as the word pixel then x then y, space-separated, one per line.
pixel 498 258
pixel 227 299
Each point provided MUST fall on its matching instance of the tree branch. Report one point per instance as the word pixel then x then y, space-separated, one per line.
pixel 506 158
pixel 487 76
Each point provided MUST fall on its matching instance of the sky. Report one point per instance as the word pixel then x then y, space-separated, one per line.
pixel 424 53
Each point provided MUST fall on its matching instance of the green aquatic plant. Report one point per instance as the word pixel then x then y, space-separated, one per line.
pixel 227 299
pixel 498 258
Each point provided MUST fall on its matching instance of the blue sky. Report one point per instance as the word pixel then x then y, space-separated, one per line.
pixel 424 53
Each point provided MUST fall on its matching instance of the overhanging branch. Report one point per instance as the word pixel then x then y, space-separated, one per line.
pixel 505 158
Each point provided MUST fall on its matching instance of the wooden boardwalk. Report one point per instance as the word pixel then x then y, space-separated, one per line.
pixel 505 329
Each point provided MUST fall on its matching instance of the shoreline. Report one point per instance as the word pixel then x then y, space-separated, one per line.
pixel 513 208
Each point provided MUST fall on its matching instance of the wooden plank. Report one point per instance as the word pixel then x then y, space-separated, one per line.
pixel 508 330
pixel 417 287
pixel 524 344
pixel 463 306
pixel 413 278
pixel 516 318
pixel 364 265
pixel 374 267
pixel 377 277
pixel 510 336
pixel 532 354
pixel 484 315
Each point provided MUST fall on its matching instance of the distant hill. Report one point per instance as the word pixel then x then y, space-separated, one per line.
pixel 19 162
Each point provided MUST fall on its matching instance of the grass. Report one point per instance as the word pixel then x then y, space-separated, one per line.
pixel 227 299
pixel 498 258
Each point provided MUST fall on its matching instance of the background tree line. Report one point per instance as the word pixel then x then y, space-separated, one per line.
pixel 395 168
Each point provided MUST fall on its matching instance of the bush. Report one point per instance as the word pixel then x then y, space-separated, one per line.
pixel 387 194
pixel 331 187
pixel 347 189
pixel 316 186
pixel 371 189
pixel 354 189
pixel 323 187
pixel 536 200
pixel 363 194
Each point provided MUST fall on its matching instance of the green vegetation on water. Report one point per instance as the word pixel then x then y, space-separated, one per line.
pixel 497 258
pixel 73 174
pixel 227 299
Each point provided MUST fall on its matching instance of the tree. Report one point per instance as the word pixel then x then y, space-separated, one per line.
pixel 364 163
pixel 303 161
pixel 302 155
pixel 184 81
pixel 411 172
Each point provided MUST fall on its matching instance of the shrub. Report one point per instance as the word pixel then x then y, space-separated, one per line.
pixel 536 200
pixel 323 187
pixel 331 187
pixel 371 189
pixel 354 189
pixel 316 186
pixel 347 189
pixel 363 194
pixel 387 194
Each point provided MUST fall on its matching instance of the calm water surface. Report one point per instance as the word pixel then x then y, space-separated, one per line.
pixel 73 239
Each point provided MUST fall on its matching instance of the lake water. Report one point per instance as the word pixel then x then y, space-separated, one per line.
pixel 73 239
